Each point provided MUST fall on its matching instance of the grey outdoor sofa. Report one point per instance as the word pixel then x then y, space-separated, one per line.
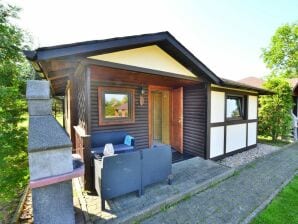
pixel 131 172
pixel 117 138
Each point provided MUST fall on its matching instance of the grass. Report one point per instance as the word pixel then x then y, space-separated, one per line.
pixel 25 123
pixel 283 209
pixel 59 118
pixel 9 201
pixel 268 141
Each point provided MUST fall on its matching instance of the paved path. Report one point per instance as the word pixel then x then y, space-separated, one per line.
pixel 190 176
pixel 236 198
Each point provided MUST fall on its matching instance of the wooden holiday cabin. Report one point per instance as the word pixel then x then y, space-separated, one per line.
pixel 153 88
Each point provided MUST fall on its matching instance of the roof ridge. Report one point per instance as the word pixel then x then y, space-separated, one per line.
pixel 99 41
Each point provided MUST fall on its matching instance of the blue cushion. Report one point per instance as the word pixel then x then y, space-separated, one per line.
pixel 123 148
pixel 99 139
pixel 118 149
pixel 128 140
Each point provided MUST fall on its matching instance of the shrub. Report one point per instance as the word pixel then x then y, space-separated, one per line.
pixel 274 113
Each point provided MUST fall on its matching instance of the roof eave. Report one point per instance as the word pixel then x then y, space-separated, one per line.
pixel 102 46
pixel 116 44
pixel 30 55
pixel 259 90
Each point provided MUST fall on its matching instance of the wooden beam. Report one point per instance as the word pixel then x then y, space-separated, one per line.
pixel 138 69
pixel 60 73
pixel 56 65
pixel 117 75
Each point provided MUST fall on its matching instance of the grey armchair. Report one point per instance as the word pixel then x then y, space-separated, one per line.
pixel 156 166
pixel 132 171
pixel 117 175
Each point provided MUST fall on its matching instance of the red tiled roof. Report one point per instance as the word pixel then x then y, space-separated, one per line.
pixel 252 81
pixel 258 82
pixel 123 107
pixel 293 82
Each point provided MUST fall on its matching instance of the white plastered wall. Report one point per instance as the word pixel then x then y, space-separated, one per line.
pixel 216 141
pixel 252 107
pixel 151 57
pixel 252 133
pixel 252 114
pixel 235 137
pixel 217 107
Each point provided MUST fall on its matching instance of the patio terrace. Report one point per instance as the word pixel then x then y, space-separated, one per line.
pixel 190 176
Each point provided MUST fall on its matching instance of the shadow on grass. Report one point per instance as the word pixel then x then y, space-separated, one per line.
pixel 268 141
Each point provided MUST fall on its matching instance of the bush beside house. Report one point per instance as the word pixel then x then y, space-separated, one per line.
pixel 274 114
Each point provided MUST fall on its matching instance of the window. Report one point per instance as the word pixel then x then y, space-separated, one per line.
pixel 116 105
pixel 234 105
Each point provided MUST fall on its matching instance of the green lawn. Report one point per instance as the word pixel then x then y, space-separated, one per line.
pixel 283 209
pixel 59 118
pixel 8 206
pixel 268 141
pixel 25 123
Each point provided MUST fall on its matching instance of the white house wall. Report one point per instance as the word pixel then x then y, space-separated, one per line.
pixel 252 107
pixel 236 137
pixel 217 141
pixel 217 107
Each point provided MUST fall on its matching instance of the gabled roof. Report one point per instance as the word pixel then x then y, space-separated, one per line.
pixel 57 63
pixel 163 39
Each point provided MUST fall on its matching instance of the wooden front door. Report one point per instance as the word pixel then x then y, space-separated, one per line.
pixel 160 115
pixel 177 119
pixel 157 116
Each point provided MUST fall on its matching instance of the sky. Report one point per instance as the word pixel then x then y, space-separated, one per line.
pixel 226 35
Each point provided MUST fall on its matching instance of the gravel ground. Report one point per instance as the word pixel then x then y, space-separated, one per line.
pixel 27 215
pixel 249 155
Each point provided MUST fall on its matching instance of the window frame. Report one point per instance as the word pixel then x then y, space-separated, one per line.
pixel 103 121
pixel 242 108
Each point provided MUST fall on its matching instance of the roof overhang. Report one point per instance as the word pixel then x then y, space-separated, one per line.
pixel 81 50
pixel 58 63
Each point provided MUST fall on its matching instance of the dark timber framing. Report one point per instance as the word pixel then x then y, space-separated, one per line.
pixel 234 152
pixel 138 69
pixel 208 123
pixel 229 92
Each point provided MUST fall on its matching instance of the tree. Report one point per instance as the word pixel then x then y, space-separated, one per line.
pixel 14 70
pixel 274 113
pixel 282 54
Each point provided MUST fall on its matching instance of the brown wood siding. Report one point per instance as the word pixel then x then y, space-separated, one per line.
pixel 139 129
pixel 194 113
